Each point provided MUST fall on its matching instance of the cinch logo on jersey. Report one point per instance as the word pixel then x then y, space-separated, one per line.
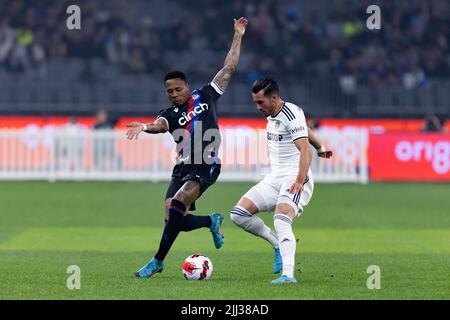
pixel 297 129
pixel 198 109
pixel 274 137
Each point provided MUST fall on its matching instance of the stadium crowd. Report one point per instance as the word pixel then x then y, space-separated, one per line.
pixel 285 37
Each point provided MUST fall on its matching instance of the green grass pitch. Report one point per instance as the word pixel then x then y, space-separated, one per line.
pixel 111 229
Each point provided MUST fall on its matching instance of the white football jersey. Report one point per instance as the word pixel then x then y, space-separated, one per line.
pixel 287 126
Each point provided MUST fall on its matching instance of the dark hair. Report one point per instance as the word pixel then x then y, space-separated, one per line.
pixel 175 75
pixel 267 84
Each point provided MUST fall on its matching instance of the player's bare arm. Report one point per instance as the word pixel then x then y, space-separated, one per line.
pixel 223 77
pixel 305 160
pixel 314 141
pixel 135 128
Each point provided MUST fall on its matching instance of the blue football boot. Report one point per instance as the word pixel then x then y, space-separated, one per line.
pixel 216 223
pixel 152 267
pixel 278 262
pixel 284 279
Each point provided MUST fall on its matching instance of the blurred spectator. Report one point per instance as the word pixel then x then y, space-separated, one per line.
pixel 102 120
pixel 20 55
pixel 104 142
pixel 414 78
pixel 412 47
pixel 312 123
pixel 432 123
pixel 6 39
pixel 289 14
pixel 136 63
pixel 38 59
pixel 70 146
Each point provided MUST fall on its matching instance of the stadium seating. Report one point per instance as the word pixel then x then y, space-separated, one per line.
pixel 93 72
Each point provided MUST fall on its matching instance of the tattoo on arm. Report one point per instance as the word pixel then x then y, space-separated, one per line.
pixel 159 126
pixel 223 77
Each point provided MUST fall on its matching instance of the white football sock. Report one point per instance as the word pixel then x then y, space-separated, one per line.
pixel 287 242
pixel 253 224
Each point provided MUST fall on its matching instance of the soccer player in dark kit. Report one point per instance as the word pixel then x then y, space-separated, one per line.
pixel 192 121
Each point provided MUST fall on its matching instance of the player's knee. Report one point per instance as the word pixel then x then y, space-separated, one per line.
pixel 280 217
pixel 180 196
pixel 234 218
pixel 188 193
pixel 247 204
pixel 285 209
pixel 176 207
pixel 183 198
pixel 240 216
pixel 166 209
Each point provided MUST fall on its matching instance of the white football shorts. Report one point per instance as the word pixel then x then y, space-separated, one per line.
pixel 273 190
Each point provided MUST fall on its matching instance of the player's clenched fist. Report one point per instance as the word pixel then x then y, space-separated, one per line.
pixel 326 154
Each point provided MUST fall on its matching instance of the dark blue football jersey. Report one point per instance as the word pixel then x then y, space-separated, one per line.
pixel 194 126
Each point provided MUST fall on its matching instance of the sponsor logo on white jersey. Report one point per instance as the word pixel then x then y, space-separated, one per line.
pixel 297 129
pixel 274 136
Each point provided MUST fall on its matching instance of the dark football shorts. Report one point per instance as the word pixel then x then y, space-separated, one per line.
pixel 204 174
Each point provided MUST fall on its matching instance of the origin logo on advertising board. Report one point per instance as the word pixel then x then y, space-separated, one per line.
pixel 410 157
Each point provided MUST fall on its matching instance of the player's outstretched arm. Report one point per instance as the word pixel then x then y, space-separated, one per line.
pixel 314 141
pixel 135 128
pixel 223 77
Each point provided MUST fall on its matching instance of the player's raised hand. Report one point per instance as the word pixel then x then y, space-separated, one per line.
pixel 240 25
pixel 296 187
pixel 134 129
pixel 326 154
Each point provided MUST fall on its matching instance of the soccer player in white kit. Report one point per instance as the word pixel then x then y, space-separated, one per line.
pixel 289 186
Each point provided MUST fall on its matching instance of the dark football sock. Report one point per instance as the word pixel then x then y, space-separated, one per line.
pixel 192 222
pixel 172 228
